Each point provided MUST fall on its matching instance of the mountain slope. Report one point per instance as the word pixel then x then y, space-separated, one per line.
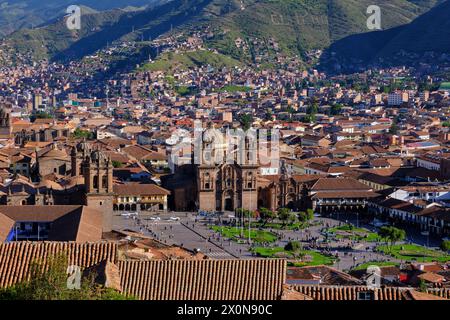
pixel 400 45
pixel 314 24
pixel 296 25
pixel 18 14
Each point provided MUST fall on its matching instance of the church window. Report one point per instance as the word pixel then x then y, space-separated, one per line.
pixel 96 182
pixel 207 185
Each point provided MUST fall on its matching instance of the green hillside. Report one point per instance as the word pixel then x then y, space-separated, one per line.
pixel 295 25
pixel 171 62
pixel 18 14
pixel 53 39
pixel 300 25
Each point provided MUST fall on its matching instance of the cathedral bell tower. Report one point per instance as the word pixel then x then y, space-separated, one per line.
pixel 5 123
pixel 98 177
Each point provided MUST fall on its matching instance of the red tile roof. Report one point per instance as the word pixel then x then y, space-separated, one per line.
pixel 204 279
pixel 16 257
pixel 139 189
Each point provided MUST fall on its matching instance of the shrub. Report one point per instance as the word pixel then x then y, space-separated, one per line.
pixel 445 245
pixel 293 246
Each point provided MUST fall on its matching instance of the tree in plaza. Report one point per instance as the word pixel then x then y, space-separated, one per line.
pixel 287 216
pixel 245 213
pixel 445 245
pixel 392 234
pixel 292 218
pixel 267 215
pixel 306 216
pixel 295 247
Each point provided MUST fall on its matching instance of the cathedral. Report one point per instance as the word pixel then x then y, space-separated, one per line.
pixel 215 182
pixel 91 184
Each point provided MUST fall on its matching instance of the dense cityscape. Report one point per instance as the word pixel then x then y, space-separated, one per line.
pixel 179 171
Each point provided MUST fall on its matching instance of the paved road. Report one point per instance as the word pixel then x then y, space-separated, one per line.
pixel 172 233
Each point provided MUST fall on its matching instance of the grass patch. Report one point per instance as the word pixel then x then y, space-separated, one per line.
pixel 306 257
pixel 280 226
pixel 234 233
pixel 414 252
pixel 364 266
pixel 170 61
pixel 352 233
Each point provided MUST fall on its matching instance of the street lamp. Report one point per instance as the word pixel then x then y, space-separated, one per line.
pixel 357 219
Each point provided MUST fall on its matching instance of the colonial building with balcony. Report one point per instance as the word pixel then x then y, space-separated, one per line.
pixel 140 198
pixel 339 194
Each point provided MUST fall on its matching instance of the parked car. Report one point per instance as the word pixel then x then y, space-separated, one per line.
pixel 174 219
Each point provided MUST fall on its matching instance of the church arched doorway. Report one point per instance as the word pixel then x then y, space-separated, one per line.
pixel 228 201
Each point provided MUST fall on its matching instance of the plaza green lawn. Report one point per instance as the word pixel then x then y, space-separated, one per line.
pixel 364 266
pixel 415 252
pixel 234 233
pixel 353 233
pixel 280 226
pixel 316 258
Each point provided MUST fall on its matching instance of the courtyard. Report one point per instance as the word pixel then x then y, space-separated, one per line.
pixel 345 244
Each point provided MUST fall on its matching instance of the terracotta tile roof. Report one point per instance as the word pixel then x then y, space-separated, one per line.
pixel 16 257
pixel 82 225
pixel 325 274
pixel 326 293
pixel 139 189
pixel 68 223
pixel 417 295
pixel 431 277
pixel 204 279
pixel 337 184
pixel 136 151
pixel 6 225
pixel 293 295
pixel 345 194
pixel 440 292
